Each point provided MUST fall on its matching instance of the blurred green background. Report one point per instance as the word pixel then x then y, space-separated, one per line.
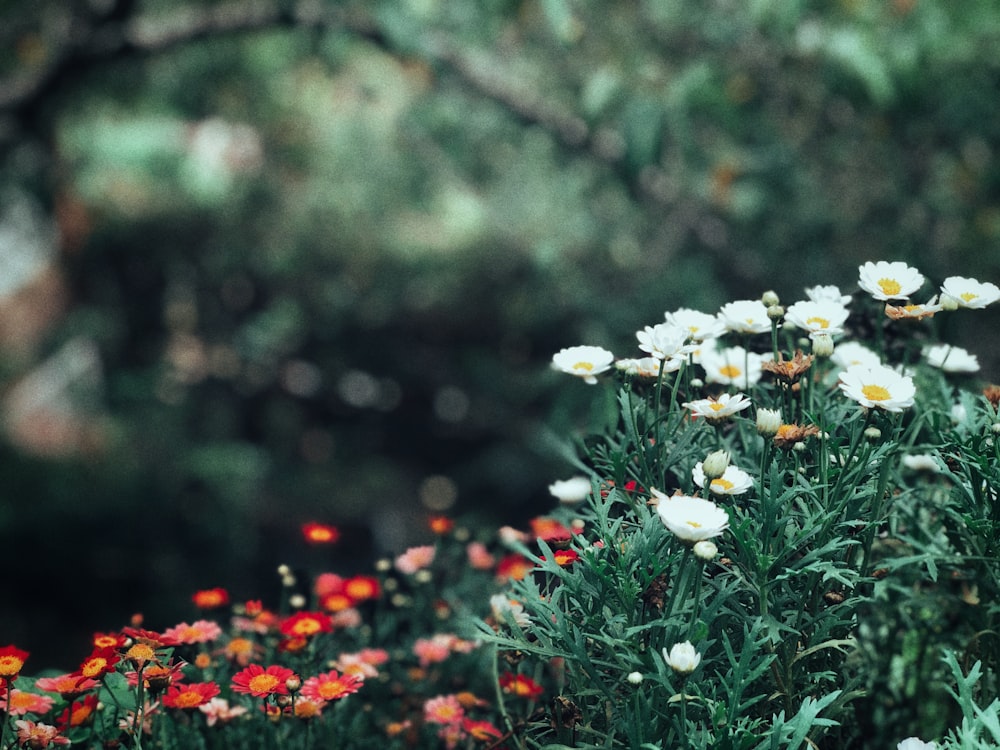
pixel 264 262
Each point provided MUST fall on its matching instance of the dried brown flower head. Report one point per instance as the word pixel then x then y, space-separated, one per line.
pixel 789 370
pixel 790 434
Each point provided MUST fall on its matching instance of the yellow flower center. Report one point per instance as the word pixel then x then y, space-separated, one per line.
pixel 10 665
pixel 716 406
pixel 817 322
pixel 585 366
pixel 141 652
pixel 875 393
pixel 889 287
pixel 693 524
pixel 331 690
pixel 968 296
pixel 21 700
pixel 188 699
pixel 723 485
pixel 306 626
pixel 263 683
pixel 730 371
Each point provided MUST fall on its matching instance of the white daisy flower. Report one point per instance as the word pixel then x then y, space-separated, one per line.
pixel 887 280
pixel 509 611
pixel 572 490
pixel 969 292
pixel 816 317
pixel 583 361
pixel 828 293
pixel 849 353
pixel 951 358
pixel 921 462
pixel 733 365
pixel 691 519
pixel 878 387
pixel 683 658
pixel 914 743
pixel 745 316
pixel 647 367
pixel 699 325
pixel 665 341
pixel 724 406
pixel 734 481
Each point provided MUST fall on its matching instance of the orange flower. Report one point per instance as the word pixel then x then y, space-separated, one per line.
pixel 362 588
pixel 564 557
pixel 481 730
pixel 69 686
pixel 441 524
pixel 549 530
pixel 320 533
pixel 11 661
pixel 211 598
pixel 108 640
pixel 77 714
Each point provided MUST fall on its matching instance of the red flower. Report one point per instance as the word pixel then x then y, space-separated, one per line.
pixel 549 530
pixel 305 624
pixel 11 661
pixel 481 730
pixel 514 567
pixel 190 696
pixel 331 686
pixel 320 533
pixel 565 556
pixel 108 640
pixel 211 598
pixel 520 685
pixel 82 713
pixel 261 682
pixel 101 662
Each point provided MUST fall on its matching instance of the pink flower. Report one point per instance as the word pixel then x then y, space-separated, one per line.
pixel 218 709
pixel 479 557
pixel 202 631
pixel 414 559
pixel 38 735
pixel 443 709
pixel 21 702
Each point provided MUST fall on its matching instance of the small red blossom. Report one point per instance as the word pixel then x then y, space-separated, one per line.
pixel 190 696
pixel 78 713
pixel 261 682
pixel 210 598
pixel 101 662
pixel 520 685
pixel 331 686
pixel 564 557
pixel 441 525
pixel 443 709
pixel 200 631
pixel 514 567
pixel 32 735
pixel 21 702
pixel 320 533
pixel 12 661
pixel 481 730
pixel 108 640
pixel 305 624
pixel 549 530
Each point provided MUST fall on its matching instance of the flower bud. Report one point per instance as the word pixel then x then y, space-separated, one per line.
pixel 873 434
pixel 293 683
pixel 682 658
pixel 715 464
pixel 705 550
pixel 770 298
pixel 635 678
pixel 822 345
pixel 948 303
pixel 768 421
pixel 775 312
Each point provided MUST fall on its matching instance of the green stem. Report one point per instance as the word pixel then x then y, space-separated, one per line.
pixel 8 685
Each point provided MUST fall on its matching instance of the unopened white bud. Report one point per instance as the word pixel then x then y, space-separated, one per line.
pixel 715 464
pixel 635 678
pixel 682 658
pixel 822 345
pixel 705 550
pixel 770 298
pixel 296 601
pixel 768 421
